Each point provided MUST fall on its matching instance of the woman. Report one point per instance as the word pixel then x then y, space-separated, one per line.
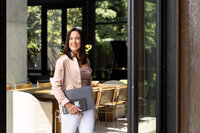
pixel 73 71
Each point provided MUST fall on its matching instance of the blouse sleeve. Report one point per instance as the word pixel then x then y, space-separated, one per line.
pixel 58 81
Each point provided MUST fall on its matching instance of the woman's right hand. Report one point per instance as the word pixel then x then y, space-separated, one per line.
pixel 72 109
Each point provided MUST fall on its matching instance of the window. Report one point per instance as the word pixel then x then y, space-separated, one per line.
pixel 111 26
pixel 34 37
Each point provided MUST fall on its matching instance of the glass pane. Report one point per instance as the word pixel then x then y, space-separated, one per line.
pixel 74 18
pixel 106 61
pixel 111 11
pixel 111 36
pixel 147 63
pixel 54 25
pixel 110 61
pixel 34 37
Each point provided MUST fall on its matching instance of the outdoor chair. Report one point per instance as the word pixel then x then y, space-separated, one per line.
pixel 121 102
pixel 105 101
pixel 95 96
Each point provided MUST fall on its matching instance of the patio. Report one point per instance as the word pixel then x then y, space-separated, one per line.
pixel 146 125
pixel 111 127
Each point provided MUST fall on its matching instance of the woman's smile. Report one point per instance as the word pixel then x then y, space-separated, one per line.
pixel 75 42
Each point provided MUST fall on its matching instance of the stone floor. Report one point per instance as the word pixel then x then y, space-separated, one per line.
pixel 146 125
pixel 120 127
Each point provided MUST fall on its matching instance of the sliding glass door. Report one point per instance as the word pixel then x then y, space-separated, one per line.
pixel 144 64
pixel 148 71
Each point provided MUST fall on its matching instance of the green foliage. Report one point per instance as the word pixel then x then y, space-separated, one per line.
pixel 111 17
pixel 111 11
pixel 150 47
pixel 34 31
pixel 33 50
pixel 150 26
pixel 103 11
pixel 74 21
pixel 34 24
pixel 54 28
pixel 88 47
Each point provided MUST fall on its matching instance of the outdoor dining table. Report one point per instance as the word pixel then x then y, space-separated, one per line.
pixel 46 92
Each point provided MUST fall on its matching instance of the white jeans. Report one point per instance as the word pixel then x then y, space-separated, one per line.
pixel 85 124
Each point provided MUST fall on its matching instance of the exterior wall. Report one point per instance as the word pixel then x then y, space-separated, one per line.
pixel 16 58
pixel 194 66
pixel 16 41
pixel 190 66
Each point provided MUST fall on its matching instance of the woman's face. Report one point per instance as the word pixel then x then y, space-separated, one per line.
pixel 74 41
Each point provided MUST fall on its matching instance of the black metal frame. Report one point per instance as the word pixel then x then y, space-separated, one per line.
pixel 64 24
pixel 167 98
pixel 132 66
pixel 161 122
pixel 171 40
pixel 44 41
pixel 89 27
pixel 167 62
pixel 3 66
pixel 160 63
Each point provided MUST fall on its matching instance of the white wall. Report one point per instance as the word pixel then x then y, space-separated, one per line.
pixel 16 41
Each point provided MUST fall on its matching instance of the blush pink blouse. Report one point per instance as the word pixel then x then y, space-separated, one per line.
pixel 67 76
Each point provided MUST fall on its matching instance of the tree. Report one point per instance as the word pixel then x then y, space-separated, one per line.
pixel 34 34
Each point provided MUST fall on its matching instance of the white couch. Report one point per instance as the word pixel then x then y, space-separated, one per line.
pixel 26 114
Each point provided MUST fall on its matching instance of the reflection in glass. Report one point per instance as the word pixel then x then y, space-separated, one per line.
pixel 34 37
pixel 74 18
pixel 111 11
pixel 104 35
pixel 111 43
pixel 111 25
pixel 147 71
pixel 53 36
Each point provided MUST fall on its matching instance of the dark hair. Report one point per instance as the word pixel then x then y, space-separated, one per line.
pixel 67 50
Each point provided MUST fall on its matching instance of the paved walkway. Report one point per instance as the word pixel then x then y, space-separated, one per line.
pixel 146 125
pixel 111 127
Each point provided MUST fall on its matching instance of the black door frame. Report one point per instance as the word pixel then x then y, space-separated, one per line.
pixel 167 40
pixel 170 37
pixel 132 66
pixel 3 66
